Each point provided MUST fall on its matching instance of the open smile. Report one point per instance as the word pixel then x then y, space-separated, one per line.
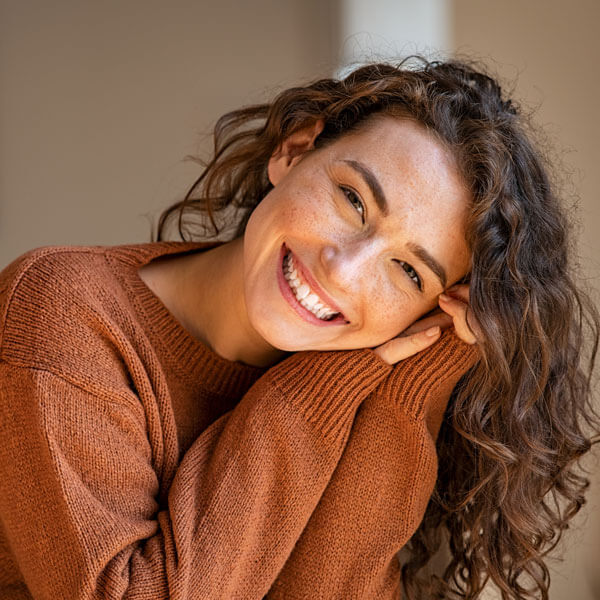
pixel 303 293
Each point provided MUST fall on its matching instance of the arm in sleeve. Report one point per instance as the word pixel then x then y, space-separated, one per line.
pixel 379 491
pixel 78 495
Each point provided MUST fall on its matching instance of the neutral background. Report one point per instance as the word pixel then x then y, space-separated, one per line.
pixel 100 103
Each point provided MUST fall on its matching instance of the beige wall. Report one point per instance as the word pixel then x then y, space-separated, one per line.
pixel 553 48
pixel 100 101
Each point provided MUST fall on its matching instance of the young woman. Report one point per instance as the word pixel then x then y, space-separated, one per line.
pixel 389 348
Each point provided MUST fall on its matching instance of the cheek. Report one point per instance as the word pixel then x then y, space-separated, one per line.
pixel 281 212
pixel 389 310
pixel 311 209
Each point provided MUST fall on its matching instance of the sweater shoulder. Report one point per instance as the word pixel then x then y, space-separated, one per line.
pixel 47 273
pixel 61 306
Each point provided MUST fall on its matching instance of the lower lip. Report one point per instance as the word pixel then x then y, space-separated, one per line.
pixel 287 293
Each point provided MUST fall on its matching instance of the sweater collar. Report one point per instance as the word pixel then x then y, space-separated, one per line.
pixel 190 357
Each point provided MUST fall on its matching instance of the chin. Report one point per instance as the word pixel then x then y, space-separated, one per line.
pixel 273 330
pixel 286 343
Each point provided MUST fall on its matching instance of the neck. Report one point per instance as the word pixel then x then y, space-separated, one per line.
pixel 213 300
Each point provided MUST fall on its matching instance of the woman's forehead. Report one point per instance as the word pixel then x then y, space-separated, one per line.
pixel 403 159
pixel 383 138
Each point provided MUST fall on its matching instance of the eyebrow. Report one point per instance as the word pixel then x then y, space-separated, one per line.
pixel 380 200
pixel 431 262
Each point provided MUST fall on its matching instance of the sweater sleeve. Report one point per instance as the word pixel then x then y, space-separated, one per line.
pixel 78 500
pixel 379 491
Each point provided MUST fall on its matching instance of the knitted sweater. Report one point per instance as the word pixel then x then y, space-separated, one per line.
pixel 137 463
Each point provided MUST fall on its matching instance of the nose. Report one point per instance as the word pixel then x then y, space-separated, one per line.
pixel 346 265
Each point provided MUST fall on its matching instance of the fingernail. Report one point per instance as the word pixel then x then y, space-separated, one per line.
pixel 432 331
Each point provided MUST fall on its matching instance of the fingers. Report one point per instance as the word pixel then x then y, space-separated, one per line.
pixel 439 318
pixel 454 311
pixel 459 311
pixel 402 347
pixel 460 291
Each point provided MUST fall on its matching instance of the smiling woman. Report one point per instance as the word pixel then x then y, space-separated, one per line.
pixel 279 413
pixel 356 251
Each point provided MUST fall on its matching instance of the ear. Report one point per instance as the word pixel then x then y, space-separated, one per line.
pixel 292 149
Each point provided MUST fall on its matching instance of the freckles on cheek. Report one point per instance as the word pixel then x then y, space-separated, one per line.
pixel 383 306
pixel 295 216
pixel 395 316
pixel 306 217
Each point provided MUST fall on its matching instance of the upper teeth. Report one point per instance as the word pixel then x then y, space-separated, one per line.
pixel 303 293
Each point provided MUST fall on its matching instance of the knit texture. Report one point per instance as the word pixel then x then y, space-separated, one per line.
pixel 137 463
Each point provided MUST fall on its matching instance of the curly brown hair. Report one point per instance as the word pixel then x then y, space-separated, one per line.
pixel 518 422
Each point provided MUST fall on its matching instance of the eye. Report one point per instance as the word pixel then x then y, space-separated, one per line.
pixel 355 201
pixel 411 273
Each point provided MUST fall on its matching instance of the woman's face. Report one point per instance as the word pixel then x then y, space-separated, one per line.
pixel 370 222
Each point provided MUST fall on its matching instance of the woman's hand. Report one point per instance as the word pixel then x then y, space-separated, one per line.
pixel 455 303
pixel 424 332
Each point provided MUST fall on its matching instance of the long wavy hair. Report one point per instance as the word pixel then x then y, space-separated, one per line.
pixel 518 422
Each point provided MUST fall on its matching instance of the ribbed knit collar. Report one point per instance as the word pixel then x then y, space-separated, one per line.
pixel 190 357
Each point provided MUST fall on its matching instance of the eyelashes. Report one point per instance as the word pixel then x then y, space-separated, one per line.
pixel 411 273
pixel 355 201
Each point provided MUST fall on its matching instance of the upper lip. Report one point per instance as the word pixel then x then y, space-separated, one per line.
pixel 312 283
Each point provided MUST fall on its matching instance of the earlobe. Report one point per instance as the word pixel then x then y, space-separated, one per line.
pixel 292 149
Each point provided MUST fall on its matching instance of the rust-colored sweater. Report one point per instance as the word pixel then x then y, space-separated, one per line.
pixel 137 463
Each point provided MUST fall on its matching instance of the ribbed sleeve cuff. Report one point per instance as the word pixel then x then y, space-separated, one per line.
pixel 416 381
pixel 327 387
